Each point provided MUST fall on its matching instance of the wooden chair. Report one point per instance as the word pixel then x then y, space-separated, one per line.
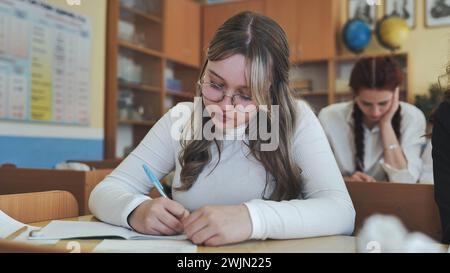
pixel 8 165
pixel 79 183
pixel 413 204
pixel 39 206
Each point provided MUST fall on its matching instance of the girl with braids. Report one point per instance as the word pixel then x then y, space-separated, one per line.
pixel 227 190
pixel 375 137
pixel 441 164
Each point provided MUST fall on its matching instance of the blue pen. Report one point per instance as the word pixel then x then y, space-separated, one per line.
pixel 154 180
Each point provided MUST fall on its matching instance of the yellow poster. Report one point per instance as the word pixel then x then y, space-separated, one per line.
pixel 41 74
pixel 44 63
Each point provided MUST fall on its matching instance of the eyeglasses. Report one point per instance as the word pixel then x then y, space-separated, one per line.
pixel 216 93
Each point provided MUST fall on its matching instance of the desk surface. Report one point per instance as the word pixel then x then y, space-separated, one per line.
pixel 333 244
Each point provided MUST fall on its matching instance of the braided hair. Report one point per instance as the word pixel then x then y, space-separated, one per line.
pixel 376 73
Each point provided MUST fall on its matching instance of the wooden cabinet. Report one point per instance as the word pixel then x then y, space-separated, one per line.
pixel 309 25
pixel 153 50
pixel 285 14
pixel 215 15
pixel 182 31
pixel 135 62
pixel 317 28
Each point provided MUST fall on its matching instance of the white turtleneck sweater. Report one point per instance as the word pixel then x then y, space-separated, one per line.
pixel 323 208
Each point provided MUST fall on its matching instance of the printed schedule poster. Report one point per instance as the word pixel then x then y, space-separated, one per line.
pixel 45 54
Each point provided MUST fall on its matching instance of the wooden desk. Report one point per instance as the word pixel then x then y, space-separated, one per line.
pixel 333 244
pixel 413 204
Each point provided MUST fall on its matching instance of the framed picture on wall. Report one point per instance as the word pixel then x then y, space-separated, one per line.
pixel 437 13
pixel 402 8
pixel 360 9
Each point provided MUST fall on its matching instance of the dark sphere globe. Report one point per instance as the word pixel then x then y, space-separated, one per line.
pixel 356 35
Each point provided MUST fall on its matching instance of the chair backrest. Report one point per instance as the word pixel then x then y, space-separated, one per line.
pixel 39 206
pixel 79 183
pixel 413 204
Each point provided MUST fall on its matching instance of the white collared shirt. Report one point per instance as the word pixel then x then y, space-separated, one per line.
pixel 426 176
pixel 323 208
pixel 337 122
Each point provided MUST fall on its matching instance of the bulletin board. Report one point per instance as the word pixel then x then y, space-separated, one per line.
pixel 45 56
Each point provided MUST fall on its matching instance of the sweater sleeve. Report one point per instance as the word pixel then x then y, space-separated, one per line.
pixel 128 186
pixel 441 166
pixel 325 207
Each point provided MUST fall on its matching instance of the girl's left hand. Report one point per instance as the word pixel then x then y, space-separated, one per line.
pixel 218 225
pixel 387 117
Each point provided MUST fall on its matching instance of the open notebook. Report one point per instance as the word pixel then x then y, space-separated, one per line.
pixel 91 230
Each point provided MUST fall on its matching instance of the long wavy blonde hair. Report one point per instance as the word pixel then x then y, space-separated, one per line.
pixel 264 45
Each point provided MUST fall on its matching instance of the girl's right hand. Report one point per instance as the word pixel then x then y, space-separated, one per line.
pixel 360 176
pixel 386 119
pixel 161 216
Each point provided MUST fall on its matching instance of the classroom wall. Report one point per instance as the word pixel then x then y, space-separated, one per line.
pixel 43 145
pixel 429 48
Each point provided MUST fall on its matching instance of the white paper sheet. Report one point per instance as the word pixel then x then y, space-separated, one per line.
pixel 9 225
